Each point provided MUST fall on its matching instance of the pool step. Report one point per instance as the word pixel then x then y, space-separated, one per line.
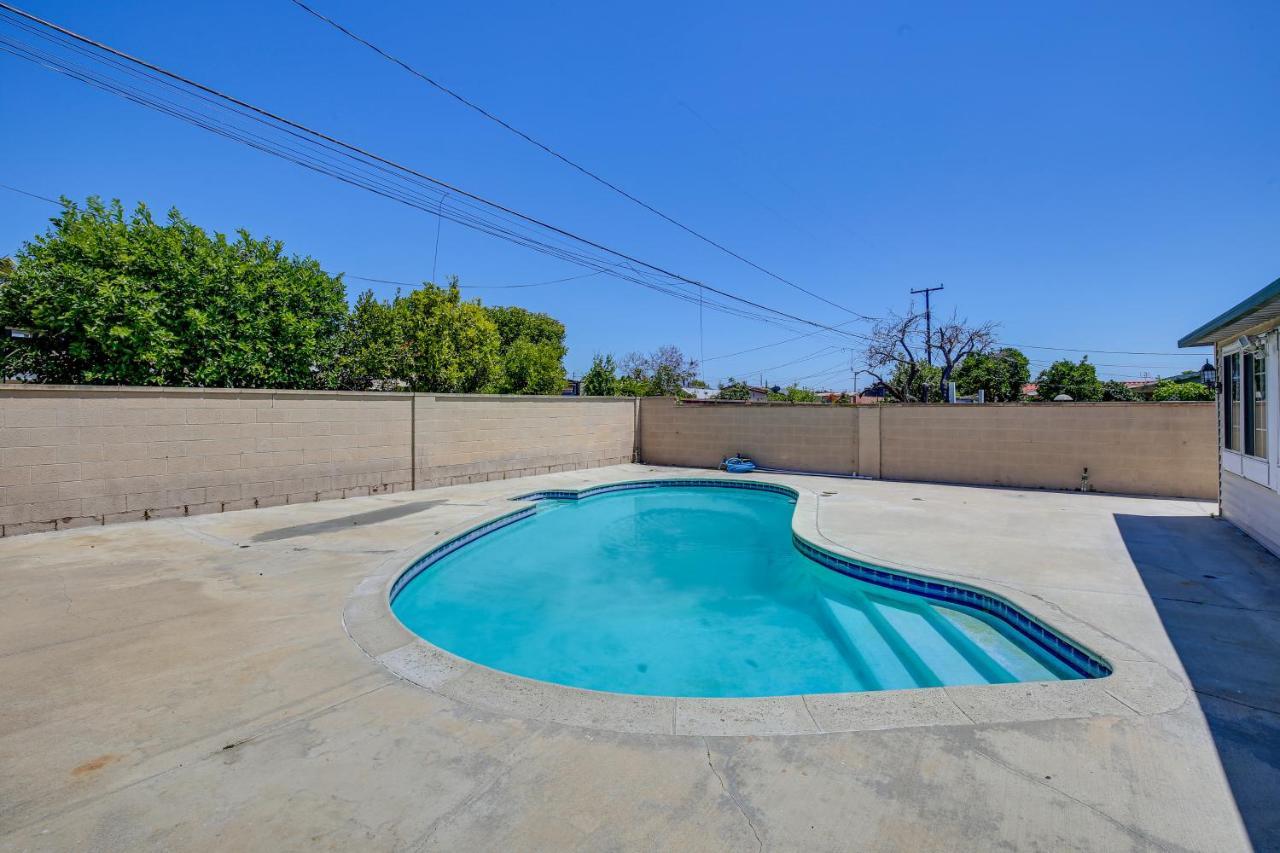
pixel 877 647
pixel 902 643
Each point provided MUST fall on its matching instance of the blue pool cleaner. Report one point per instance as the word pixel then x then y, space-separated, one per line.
pixel 738 465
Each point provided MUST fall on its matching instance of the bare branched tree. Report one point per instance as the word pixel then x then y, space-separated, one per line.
pixel 897 355
pixel 954 340
pixel 666 366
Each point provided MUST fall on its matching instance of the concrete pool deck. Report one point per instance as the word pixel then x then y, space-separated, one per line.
pixel 189 683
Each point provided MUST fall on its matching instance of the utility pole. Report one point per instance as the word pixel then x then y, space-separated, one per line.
pixel 928 323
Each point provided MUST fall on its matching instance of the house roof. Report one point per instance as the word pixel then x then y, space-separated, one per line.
pixel 1258 308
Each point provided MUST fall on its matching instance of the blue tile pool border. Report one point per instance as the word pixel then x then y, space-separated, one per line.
pixel 452 544
pixel 1068 653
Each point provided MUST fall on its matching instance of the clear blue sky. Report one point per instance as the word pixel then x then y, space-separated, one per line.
pixel 1100 176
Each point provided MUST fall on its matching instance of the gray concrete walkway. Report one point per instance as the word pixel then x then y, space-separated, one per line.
pixel 188 684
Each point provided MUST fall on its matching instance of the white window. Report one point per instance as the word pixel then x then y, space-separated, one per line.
pixel 1256 405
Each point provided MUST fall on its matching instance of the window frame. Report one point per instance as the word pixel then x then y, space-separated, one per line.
pixel 1250 404
pixel 1232 425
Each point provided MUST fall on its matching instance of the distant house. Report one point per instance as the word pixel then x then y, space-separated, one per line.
pixel 876 389
pixel 758 393
pixel 1246 349
pixel 572 388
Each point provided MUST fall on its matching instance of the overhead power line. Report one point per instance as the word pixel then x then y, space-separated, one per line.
pixel 1104 351
pixel 325 154
pixel 478 286
pixel 566 160
pixel 31 194
pixel 769 346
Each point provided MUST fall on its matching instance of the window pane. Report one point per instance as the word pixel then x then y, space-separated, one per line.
pixel 1259 401
pixel 1231 401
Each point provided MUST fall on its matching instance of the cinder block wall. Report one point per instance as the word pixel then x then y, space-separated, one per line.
pixel 472 438
pixel 1167 449
pixel 778 435
pixel 73 456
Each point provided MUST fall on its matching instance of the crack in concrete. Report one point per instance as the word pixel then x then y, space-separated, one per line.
pixel 1131 831
pixel 732 796
pixel 812 718
pixel 425 839
pixel 1233 606
pixel 1222 698
pixel 956 704
pixel 62 585
pixel 1122 702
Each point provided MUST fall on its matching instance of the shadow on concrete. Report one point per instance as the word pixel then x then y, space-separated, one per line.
pixel 345 522
pixel 1218 595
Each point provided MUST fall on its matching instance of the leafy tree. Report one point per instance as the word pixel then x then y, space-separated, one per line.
pixel 915 382
pixel 697 383
pixel 1000 374
pixel 793 394
pixel 532 351
pixel 1167 389
pixel 370 350
pixel 1079 381
pixel 1117 392
pixel 119 299
pixel 429 340
pixel 601 380
pixel 529 368
pixel 635 386
pixel 734 390
pixel 450 345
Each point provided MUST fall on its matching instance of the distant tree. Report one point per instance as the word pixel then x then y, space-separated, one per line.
pixel 697 383
pixel 1078 380
pixel 955 340
pixel 635 386
pixel 661 373
pixel 897 357
pixel 1117 392
pixel 913 385
pixel 734 390
pixel 999 374
pixel 601 380
pixel 666 370
pixel 793 394
pixel 112 298
pixel 1167 390
pixel 531 350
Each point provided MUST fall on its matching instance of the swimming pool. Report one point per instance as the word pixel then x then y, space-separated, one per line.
pixel 698 589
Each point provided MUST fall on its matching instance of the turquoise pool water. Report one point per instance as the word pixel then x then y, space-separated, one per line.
pixel 696 591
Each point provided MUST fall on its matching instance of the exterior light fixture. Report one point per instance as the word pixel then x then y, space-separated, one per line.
pixel 1209 374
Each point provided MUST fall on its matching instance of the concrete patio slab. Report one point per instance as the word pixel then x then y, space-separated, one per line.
pixel 190 684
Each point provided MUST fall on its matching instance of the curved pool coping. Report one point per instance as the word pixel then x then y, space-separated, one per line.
pixel 1135 685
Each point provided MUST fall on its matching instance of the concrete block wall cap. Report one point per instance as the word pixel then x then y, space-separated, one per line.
pixel 1137 686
